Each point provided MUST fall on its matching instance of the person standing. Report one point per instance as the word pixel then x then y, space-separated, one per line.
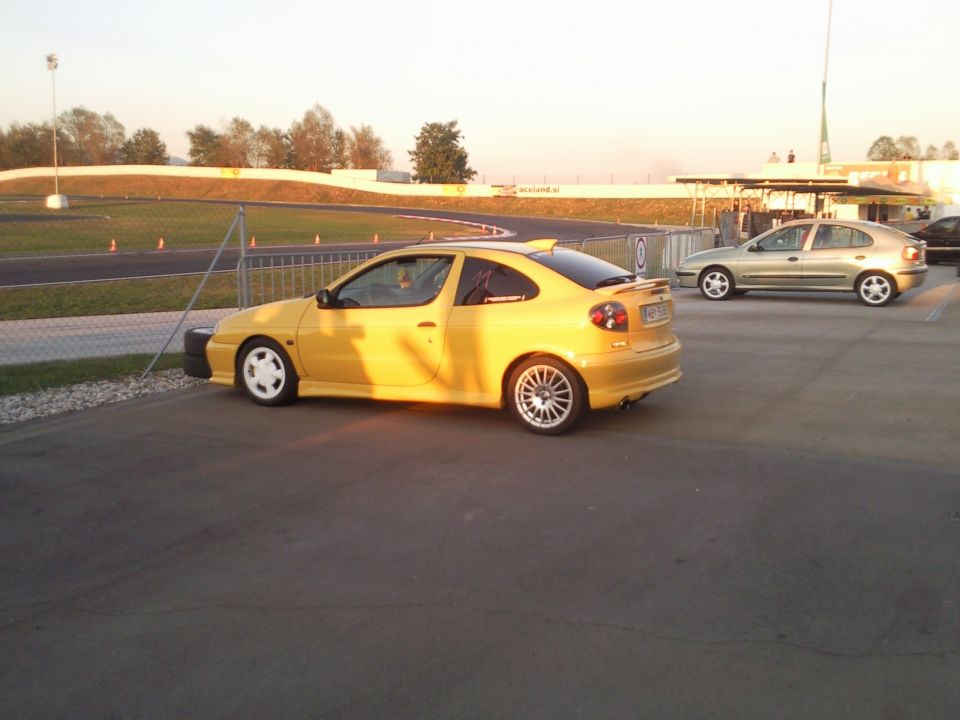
pixel 791 157
pixel 774 158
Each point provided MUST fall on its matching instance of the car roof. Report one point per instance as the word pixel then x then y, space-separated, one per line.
pixel 833 221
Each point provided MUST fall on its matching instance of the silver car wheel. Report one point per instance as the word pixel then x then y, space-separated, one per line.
pixel 716 284
pixel 875 290
pixel 546 396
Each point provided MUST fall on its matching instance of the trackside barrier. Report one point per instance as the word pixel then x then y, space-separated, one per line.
pixel 267 277
pixel 649 255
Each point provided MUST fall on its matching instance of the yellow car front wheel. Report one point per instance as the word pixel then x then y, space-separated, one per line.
pixel 545 395
pixel 266 373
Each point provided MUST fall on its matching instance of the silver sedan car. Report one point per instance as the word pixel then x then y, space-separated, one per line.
pixel 875 261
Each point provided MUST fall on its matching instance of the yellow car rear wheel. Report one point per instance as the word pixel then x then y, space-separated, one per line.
pixel 546 395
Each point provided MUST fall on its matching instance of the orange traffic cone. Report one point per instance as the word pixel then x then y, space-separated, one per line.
pixel 316 240
pixel 160 244
pixel 376 237
pixel 253 241
pixel 113 246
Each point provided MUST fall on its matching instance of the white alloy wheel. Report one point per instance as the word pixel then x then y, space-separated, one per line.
pixel 267 375
pixel 716 284
pixel 546 396
pixel 875 290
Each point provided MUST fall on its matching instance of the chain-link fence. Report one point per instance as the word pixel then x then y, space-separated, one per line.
pixel 102 278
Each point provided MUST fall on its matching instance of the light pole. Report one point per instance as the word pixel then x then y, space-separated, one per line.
pixel 823 147
pixel 56 200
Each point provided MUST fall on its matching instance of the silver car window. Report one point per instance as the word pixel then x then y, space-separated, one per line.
pixel 787 238
pixel 840 236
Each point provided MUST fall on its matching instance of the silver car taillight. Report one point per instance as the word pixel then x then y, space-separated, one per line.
pixel 910 253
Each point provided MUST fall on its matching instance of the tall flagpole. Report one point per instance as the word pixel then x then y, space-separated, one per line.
pixel 823 147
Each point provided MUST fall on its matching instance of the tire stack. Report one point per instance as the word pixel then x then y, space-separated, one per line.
pixel 195 352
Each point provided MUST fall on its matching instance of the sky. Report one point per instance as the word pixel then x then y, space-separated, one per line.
pixel 551 91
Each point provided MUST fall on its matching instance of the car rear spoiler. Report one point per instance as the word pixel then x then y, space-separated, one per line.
pixel 654 286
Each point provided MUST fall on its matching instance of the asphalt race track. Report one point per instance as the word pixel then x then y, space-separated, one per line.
pixel 137 264
pixel 776 536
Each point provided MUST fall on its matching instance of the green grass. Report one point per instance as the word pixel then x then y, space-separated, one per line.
pixel 89 226
pixel 117 297
pixel 31 377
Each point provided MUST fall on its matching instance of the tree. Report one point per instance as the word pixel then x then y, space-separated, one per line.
pixel 237 144
pixel 883 148
pixel 96 139
pixel 366 150
pixel 144 148
pixel 313 141
pixel 931 153
pixel 27 146
pixel 271 148
pixel 949 151
pixel 438 156
pixel 907 147
pixel 204 146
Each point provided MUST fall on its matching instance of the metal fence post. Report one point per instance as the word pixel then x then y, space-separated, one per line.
pixel 244 299
pixel 196 295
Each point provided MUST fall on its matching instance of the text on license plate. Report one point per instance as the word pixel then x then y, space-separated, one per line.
pixel 655 312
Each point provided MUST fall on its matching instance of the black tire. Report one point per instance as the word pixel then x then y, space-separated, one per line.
pixel 716 283
pixel 195 341
pixel 546 395
pixel 196 366
pixel 876 289
pixel 266 374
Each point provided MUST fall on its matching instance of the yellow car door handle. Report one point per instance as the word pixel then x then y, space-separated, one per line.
pixel 861 257
pixel 427 323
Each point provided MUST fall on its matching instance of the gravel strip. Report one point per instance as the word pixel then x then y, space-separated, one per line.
pixel 27 406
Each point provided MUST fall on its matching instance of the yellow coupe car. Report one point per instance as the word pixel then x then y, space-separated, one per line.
pixel 548 332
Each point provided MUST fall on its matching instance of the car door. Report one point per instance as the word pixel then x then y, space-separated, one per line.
pixel 773 260
pixel 386 327
pixel 836 256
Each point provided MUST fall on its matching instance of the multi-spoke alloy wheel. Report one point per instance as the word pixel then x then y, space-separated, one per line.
pixel 546 395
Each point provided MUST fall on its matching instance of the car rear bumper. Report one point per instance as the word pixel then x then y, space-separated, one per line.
pixel 911 278
pixel 629 375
